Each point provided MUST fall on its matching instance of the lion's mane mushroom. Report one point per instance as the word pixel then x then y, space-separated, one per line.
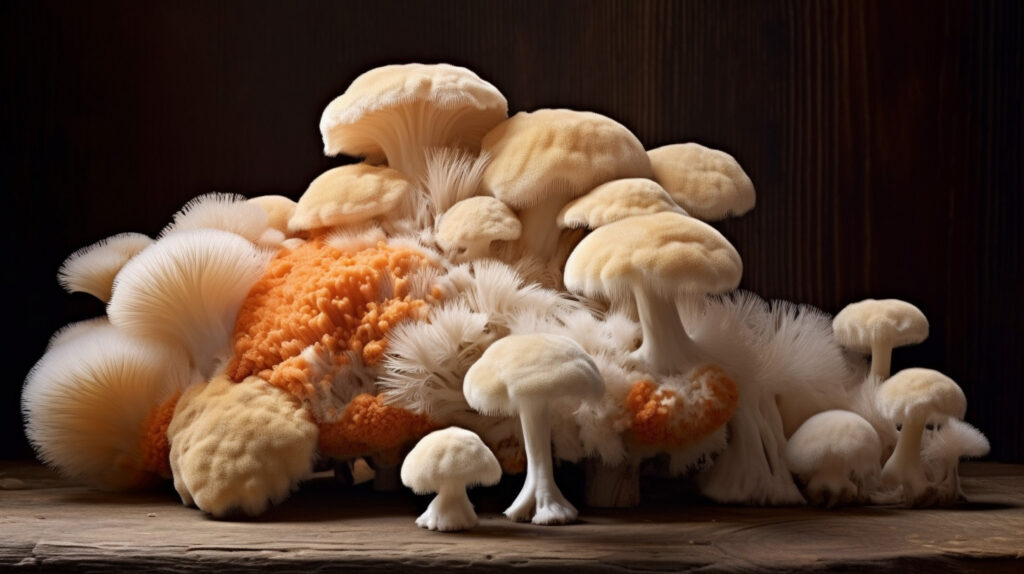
pixel 913 399
pixel 542 160
pixel 225 211
pixel 615 200
pixel 524 374
pixel 707 183
pixel 943 448
pixel 92 269
pixel 876 326
pixel 446 462
pixel 468 228
pixel 837 456
pixel 655 259
pixel 398 112
pixel 349 195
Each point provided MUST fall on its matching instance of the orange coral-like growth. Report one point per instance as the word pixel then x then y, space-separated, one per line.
pixel 664 417
pixel 368 426
pixel 154 444
pixel 318 295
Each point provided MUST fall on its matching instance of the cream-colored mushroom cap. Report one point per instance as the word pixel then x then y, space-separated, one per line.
pixel 615 200
pixel 916 394
pixel 279 210
pixel 707 183
pixel 449 456
pixel 534 367
pixel 396 112
pixel 891 321
pixel 831 438
pixel 667 252
pixel 92 269
pixel 472 224
pixel 348 195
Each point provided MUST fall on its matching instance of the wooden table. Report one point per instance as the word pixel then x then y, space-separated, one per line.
pixel 48 524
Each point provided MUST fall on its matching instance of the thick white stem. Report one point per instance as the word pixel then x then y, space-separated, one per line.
pixel 881 359
pixel 450 510
pixel 904 466
pixel 539 491
pixel 666 346
pixel 540 233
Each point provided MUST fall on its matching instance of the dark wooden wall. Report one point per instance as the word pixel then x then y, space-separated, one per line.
pixel 884 138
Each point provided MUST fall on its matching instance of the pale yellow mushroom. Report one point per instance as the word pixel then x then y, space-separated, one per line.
pixel 349 195
pixel 468 228
pixel 92 269
pixel 876 326
pixel 615 200
pixel 279 210
pixel 709 184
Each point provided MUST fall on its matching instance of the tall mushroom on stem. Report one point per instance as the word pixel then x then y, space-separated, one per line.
pixel 655 259
pixel 876 326
pixel 524 374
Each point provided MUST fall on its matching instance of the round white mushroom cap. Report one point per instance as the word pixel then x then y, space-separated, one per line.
pixel 449 456
pixel 534 367
pixel 916 394
pixel 834 438
pixel 348 195
pixel 707 183
pixel 472 224
pixel 615 200
pixel 890 321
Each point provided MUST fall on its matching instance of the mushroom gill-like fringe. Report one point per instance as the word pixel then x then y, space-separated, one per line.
pixel 453 174
pixel 92 269
pixel 186 289
pixel 225 211
pixel 86 404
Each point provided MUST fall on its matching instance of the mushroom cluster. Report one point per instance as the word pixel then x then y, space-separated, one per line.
pixel 541 286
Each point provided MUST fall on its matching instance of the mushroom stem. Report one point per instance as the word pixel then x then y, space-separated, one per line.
pixel 666 346
pixel 539 235
pixel 539 490
pixel 881 359
pixel 831 486
pixel 450 510
pixel 904 466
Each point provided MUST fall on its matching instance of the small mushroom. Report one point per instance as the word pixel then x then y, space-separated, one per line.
pixel 349 195
pixel 876 326
pixel 912 399
pixel 92 269
pixel 542 160
pixel 943 448
pixel 655 259
pixel 224 211
pixel 615 200
pixel 836 455
pixel 707 183
pixel 279 210
pixel 524 375
pixel 469 227
pixel 446 462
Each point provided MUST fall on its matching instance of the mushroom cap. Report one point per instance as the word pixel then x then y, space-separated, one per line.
pixel 615 200
pixel 225 211
pixel 913 394
pixel 92 269
pixel 537 154
pixel 534 367
pixel 890 321
pixel 279 210
pixel 830 438
pixel 348 195
pixel 479 219
pixel 467 106
pixel 451 455
pixel 708 183
pixel 668 252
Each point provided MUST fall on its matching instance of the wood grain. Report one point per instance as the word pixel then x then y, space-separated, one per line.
pixel 884 138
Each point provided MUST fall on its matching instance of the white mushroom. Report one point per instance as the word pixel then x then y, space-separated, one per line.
pixel 912 399
pixel 92 269
pixel 943 447
pixel 225 211
pixel 836 454
pixel 655 259
pixel 615 200
pixel 707 183
pixel 524 374
pixel 468 228
pixel 876 326
pixel 349 195
pixel 446 462
pixel 279 210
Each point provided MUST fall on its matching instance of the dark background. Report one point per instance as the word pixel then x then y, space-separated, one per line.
pixel 884 138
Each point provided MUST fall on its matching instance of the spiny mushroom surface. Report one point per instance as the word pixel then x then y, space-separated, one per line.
pixel 349 195
pixel 709 184
pixel 615 200
pixel 446 462
pixel 524 374
pixel 468 228
pixel 837 455
pixel 654 259
pixel 876 326
pixel 92 269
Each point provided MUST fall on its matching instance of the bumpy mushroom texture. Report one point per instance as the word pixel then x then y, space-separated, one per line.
pixel 468 228
pixel 89 406
pixel 349 195
pixel 186 289
pixel 542 160
pixel 368 426
pixel 92 269
pixel 239 447
pixel 524 374
pixel 395 113
pixel 943 447
pixel 836 455
pixel 446 462
pixel 655 259
pixel 707 183
pixel 876 326
pixel 615 200
pixel 912 399
pixel 671 418
pixel 279 210
pixel 225 211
